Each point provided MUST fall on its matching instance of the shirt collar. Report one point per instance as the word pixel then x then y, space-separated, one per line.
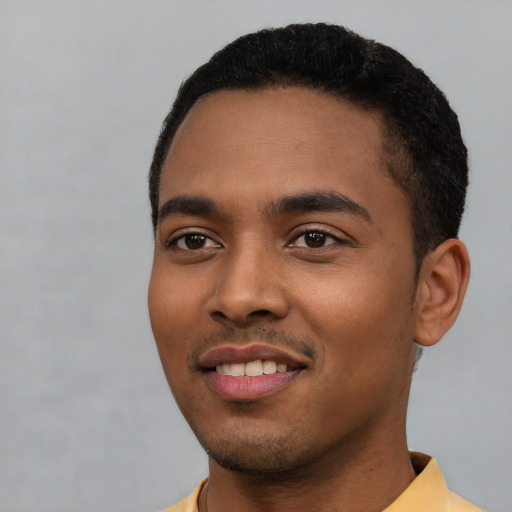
pixel 428 491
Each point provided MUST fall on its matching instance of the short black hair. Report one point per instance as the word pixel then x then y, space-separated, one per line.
pixel 426 155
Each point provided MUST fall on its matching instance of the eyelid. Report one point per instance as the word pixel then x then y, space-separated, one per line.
pixel 180 233
pixel 336 234
pixel 333 241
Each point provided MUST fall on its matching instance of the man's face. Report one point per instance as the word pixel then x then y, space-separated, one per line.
pixel 283 243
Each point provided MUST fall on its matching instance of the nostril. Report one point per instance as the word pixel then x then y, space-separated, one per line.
pixel 253 315
pixel 261 312
pixel 219 314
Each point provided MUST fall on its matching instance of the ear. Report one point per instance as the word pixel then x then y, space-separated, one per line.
pixel 442 284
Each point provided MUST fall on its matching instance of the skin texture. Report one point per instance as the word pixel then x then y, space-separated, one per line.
pixel 335 290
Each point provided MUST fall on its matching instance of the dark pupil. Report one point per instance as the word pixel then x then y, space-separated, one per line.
pixel 315 239
pixel 195 241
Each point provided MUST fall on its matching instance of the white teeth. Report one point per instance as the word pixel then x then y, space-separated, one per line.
pixel 254 368
pixel 224 369
pixel 269 367
pixel 251 369
pixel 237 370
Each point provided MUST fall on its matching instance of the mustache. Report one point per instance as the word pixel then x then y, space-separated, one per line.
pixel 260 333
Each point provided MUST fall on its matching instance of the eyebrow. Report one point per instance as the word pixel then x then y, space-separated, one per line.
pixel 320 201
pixel 188 205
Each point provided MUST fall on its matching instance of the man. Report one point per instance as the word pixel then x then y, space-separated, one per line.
pixel 306 190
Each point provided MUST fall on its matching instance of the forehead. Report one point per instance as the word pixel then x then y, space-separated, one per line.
pixel 272 142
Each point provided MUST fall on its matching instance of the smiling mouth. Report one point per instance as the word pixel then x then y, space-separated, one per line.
pixel 252 368
pixel 240 388
pixel 250 381
pixel 250 372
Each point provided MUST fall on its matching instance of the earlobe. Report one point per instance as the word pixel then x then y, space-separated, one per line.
pixel 441 288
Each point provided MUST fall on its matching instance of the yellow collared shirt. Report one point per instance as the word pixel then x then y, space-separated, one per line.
pixel 427 493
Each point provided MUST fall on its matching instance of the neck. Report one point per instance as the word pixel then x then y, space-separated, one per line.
pixel 358 479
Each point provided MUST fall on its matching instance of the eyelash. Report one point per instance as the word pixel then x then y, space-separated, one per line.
pixel 327 234
pixel 174 241
pixel 336 240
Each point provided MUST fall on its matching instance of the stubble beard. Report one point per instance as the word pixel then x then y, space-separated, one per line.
pixel 263 455
pixel 254 452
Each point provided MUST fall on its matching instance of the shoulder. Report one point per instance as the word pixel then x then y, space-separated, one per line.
pixel 458 504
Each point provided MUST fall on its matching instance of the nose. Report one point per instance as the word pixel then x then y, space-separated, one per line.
pixel 248 288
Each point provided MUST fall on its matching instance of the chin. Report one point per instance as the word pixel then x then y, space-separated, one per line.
pixel 260 456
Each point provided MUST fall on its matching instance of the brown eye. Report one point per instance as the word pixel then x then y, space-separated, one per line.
pixel 193 242
pixel 315 239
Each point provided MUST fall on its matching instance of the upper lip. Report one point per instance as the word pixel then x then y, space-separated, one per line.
pixel 244 354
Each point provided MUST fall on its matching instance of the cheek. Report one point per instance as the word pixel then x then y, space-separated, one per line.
pixel 358 315
pixel 363 329
pixel 174 324
pixel 171 313
pixel 172 299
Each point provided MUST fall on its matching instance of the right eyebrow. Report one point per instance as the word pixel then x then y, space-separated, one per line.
pixel 317 201
pixel 188 205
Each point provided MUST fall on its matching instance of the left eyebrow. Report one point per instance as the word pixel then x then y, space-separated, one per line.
pixel 321 201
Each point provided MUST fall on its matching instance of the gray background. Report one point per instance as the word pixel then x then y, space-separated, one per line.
pixel 86 419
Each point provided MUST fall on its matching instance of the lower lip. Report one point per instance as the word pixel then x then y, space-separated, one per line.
pixel 248 388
